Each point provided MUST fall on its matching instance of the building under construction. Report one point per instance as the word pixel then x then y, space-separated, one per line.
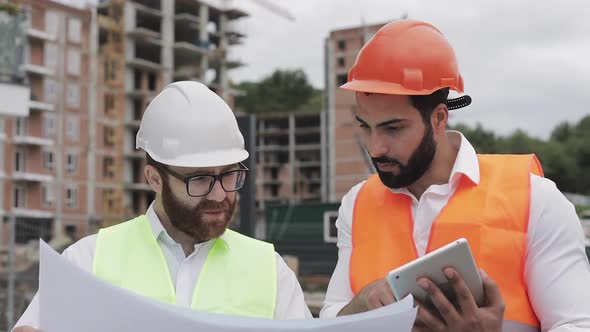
pixel 291 159
pixel 144 45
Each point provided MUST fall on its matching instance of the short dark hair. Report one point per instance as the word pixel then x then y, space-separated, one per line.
pixel 157 165
pixel 426 104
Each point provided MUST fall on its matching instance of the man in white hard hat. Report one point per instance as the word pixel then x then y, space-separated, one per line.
pixel 181 251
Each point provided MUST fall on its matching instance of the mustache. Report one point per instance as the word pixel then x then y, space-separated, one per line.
pixel 213 205
pixel 386 160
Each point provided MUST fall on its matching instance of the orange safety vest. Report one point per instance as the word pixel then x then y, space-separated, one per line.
pixel 492 215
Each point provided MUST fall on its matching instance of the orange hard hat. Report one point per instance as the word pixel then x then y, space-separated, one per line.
pixel 405 57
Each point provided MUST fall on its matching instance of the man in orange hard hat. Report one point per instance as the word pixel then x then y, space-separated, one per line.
pixel 432 188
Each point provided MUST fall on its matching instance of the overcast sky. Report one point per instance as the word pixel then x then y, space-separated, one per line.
pixel 526 64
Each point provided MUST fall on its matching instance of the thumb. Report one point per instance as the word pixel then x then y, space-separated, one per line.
pixel 491 289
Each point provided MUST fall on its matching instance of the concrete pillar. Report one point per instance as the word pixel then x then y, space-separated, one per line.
pixel 203 39
pixel 167 41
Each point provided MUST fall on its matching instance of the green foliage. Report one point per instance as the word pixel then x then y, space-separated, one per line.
pixel 282 91
pixel 565 156
pixel 9 8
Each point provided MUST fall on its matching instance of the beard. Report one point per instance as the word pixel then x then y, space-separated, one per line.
pixel 191 220
pixel 418 164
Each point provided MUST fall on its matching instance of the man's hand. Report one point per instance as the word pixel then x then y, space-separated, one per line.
pixel 25 329
pixel 467 317
pixel 374 295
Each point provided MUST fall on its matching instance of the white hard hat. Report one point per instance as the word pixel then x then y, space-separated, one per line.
pixel 188 125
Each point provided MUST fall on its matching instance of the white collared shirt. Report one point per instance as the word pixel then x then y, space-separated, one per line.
pixel 556 269
pixel 184 272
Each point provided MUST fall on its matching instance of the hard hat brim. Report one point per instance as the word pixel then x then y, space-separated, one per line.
pixel 386 88
pixel 205 159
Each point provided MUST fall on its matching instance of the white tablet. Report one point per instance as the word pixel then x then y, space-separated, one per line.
pixel 456 255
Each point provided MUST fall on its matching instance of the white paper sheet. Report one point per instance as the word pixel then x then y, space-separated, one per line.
pixel 73 300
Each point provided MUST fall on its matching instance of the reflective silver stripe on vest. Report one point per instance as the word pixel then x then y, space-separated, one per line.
pixel 512 326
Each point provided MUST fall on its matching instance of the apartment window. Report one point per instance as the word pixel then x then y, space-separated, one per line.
pixel 109 103
pixel 50 55
pixel 20 126
pixel 19 160
pixel 73 97
pixel 74 30
pixel 48 160
pixel 73 128
pixel 107 168
pixel 48 196
pixel 137 109
pixel 341 62
pixel 110 69
pixel 19 196
pixel 107 195
pixel 137 76
pixel 48 125
pixel 51 22
pixel 72 163
pixel 341 79
pixel 342 45
pixel 71 197
pixel 49 90
pixel 152 81
pixel 108 136
pixel 73 61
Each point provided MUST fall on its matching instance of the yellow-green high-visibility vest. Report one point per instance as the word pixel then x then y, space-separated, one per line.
pixel 238 278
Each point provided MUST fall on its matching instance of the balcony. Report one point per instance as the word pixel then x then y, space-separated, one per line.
pixel 40 35
pixel 145 10
pixel 133 123
pixel 301 147
pixel 145 34
pixel 187 48
pixel 31 213
pixel 135 186
pixel 188 73
pixel 41 106
pixel 31 177
pixel 144 64
pixel 138 94
pixel 187 20
pixel 272 147
pixel 38 70
pixel 232 34
pixel 32 140
pixel 135 154
pixel 235 12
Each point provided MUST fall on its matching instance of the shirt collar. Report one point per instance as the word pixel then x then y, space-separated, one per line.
pixel 160 233
pixel 465 164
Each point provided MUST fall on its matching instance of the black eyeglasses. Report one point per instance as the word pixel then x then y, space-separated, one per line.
pixel 198 185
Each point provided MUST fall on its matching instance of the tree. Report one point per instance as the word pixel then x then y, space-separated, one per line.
pixel 282 91
pixel 565 156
